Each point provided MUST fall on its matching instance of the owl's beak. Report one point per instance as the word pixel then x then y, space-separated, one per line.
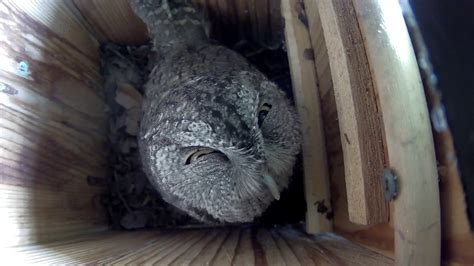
pixel 268 180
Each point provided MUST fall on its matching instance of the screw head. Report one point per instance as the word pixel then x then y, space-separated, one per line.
pixel 390 183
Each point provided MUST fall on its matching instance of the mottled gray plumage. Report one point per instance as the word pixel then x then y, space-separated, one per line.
pixel 217 138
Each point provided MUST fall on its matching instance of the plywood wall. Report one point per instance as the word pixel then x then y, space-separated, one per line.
pixel 52 123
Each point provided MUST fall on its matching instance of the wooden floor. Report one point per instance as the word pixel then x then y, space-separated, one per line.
pixel 200 247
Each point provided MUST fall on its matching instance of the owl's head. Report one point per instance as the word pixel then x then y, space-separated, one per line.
pixel 221 149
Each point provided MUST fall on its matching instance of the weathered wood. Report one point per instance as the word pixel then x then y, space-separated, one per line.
pixel 183 247
pixel 273 255
pixel 227 250
pixel 289 257
pixel 232 21
pixel 244 255
pixel 146 251
pixel 409 140
pixel 52 124
pixel 170 255
pixel 330 249
pixel 304 257
pixel 194 251
pixel 370 236
pixel 305 91
pixel 113 20
pixel 59 19
pixel 358 115
pixel 210 250
pixel 381 235
pixel 457 237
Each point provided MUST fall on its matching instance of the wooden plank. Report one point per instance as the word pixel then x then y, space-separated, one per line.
pixel 208 253
pixel 304 257
pixel 261 25
pixel 171 253
pixel 57 17
pixel 252 20
pixel 90 251
pixel 408 131
pixel 359 118
pixel 145 252
pixel 380 236
pixel 272 254
pixel 252 10
pixel 286 251
pixel 305 90
pixel 330 249
pixel 52 124
pixel 113 19
pixel 227 251
pixel 146 247
pixel 349 253
pixel 244 255
pixel 457 237
pixel 195 250
pixel 276 28
pixel 243 17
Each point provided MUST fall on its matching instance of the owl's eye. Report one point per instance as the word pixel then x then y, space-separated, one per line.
pixel 197 153
pixel 263 112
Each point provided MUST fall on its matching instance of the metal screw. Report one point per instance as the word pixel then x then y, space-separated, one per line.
pixel 22 69
pixel 390 183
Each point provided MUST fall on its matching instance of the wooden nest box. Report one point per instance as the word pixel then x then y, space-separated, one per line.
pixel 370 172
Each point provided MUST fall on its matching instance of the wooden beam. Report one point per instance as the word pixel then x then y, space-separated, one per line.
pixel 408 132
pixel 305 90
pixel 359 118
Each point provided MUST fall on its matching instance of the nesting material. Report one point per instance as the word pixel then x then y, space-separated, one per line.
pixel 131 201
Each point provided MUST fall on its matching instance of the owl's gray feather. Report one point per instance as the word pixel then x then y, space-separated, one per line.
pixel 217 139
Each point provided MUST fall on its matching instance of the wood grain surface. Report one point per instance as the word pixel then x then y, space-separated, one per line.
pixel 306 95
pixel 360 124
pixel 202 247
pixel 410 147
pixel 229 21
pixel 52 124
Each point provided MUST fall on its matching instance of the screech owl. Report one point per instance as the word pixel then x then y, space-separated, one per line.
pixel 218 140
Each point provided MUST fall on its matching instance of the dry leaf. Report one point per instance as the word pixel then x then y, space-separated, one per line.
pixel 127 96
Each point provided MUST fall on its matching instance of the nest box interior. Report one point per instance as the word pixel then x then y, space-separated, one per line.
pixel 355 82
